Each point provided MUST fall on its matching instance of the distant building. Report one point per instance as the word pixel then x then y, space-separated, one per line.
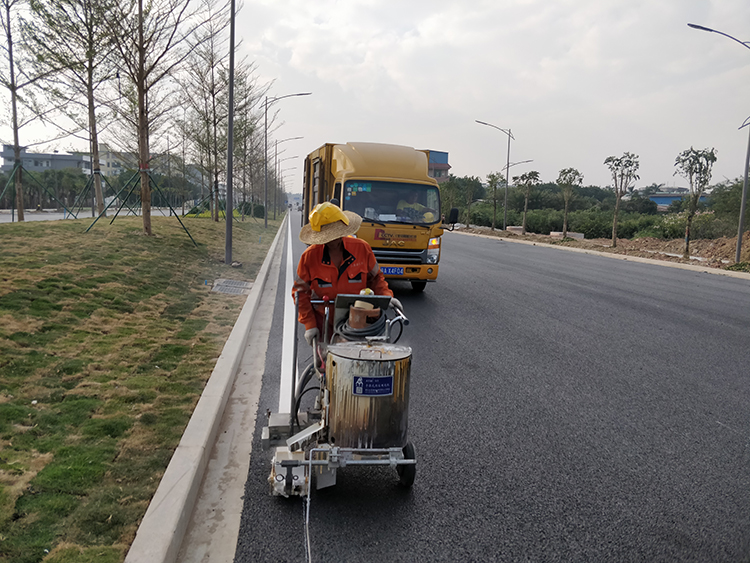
pixel 664 198
pixel 39 162
pixel 111 163
pixel 438 166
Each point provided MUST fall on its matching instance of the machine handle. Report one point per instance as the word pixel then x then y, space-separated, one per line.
pixel 401 316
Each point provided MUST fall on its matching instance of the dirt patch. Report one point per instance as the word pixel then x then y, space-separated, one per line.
pixel 714 253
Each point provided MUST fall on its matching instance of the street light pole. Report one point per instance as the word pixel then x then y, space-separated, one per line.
pixel 265 150
pixel 230 143
pixel 507 168
pixel 743 203
pixel 276 172
pixel 507 183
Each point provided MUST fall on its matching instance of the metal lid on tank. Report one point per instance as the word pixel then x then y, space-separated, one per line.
pixel 378 351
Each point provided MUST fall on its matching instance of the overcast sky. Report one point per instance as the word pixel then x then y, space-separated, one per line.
pixel 575 80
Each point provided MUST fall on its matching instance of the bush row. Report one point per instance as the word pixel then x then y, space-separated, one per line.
pixel 597 223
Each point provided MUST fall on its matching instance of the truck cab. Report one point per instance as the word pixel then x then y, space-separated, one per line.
pixel 388 186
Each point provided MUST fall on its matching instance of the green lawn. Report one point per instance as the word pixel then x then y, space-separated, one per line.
pixel 106 342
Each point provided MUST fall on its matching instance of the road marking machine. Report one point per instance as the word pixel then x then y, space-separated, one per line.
pixel 360 412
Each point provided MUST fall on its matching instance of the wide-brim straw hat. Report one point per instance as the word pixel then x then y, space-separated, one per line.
pixel 332 231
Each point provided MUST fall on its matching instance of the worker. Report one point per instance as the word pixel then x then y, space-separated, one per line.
pixel 335 262
pixel 411 208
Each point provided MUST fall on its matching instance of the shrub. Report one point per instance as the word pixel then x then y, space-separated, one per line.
pixel 593 223
pixel 543 221
pixel 632 223
pixel 706 225
pixel 639 204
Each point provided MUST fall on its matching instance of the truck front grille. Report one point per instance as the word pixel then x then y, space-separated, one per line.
pixel 405 256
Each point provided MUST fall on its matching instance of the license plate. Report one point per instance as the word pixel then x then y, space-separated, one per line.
pixel 392 271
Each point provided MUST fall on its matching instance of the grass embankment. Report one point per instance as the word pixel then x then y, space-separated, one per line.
pixel 106 342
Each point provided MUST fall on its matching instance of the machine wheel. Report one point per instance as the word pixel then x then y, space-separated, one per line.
pixel 407 473
pixel 418 286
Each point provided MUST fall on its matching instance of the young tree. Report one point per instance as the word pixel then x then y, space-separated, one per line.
pixel 152 43
pixel 14 81
pixel 695 166
pixel 69 44
pixel 206 85
pixel 472 189
pixel 623 169
pixel 494 180
pixel 461 188
pixel 568 180
pixel 526 181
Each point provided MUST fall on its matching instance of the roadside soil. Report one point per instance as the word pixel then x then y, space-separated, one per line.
pixel 714 253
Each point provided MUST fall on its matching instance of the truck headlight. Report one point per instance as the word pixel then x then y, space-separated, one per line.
pixel 433 250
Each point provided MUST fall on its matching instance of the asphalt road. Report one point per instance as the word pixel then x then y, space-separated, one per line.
pixel 564 407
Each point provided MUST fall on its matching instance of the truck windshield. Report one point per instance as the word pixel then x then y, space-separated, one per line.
pixel 393 202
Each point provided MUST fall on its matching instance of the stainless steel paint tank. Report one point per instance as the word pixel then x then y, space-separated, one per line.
pixel 368 389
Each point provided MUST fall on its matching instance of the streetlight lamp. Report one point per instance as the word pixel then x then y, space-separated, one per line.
pixel 507 167
pixel 265 153
pixel 745 123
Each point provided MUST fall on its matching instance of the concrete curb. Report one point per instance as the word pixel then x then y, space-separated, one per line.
pixel 653 261
pixel 162 529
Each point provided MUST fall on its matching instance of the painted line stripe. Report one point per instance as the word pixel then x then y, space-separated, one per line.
pixel 288 372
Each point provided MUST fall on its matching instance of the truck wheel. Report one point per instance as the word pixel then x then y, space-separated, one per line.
pixel 418 286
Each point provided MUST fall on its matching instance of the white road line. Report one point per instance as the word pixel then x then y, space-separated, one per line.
pixel 290 324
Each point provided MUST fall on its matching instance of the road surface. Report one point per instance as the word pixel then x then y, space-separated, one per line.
pixel 564 407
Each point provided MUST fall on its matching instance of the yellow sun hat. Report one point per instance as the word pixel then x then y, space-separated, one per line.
pixel 325 214
pixel 328 222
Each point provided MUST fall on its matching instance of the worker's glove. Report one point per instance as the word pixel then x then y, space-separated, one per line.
pixel 311 333
pixel 395 304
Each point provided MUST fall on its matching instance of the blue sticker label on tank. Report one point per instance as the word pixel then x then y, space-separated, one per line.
pixel 373 386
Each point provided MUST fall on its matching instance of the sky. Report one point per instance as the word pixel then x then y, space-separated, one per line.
pixel 575 81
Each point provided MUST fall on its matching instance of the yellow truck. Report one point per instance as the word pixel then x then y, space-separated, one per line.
pixel 388 186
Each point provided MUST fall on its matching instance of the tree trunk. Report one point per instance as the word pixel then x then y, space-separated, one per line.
pixel 215 124
pixel 525 209
pixel 494 207
pixel 614 220
pixel 565 220
pixel 688 225
pixel 468 208
pixel 14 112
pixel 94 140
pixel 686 253
pixel 216 189
pixel 143 149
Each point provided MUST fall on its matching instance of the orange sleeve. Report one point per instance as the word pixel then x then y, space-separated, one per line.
pixel 302 289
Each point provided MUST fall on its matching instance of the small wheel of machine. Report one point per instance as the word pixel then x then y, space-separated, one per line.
pixel 407 473
pixel 418 286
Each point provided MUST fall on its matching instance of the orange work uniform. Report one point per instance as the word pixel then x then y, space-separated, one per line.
pixel 318 278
